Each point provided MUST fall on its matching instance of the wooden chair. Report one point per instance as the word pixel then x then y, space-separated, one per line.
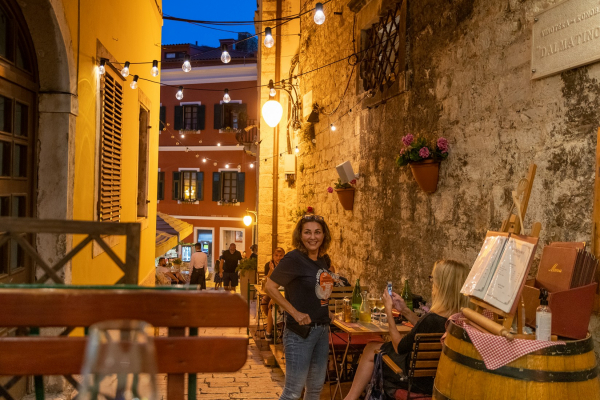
pixel 423 362
pixel 177 308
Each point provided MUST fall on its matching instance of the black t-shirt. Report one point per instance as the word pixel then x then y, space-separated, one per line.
pixel 231 260
pixel 253 255
pixel 268 267
pixel 307 284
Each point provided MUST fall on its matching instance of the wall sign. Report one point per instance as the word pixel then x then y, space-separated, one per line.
pixel 565 36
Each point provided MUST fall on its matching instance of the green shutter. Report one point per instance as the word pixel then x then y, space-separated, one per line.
pixel 201 116
pixel 216 188
pixel 218 116
pixel 176 185
pixel 242 116
pixel 160 191
pixel 241 184
pixel 162 118
pixel 178 116
pixel 200 186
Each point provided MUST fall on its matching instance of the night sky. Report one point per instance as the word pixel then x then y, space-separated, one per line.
pixel 208 10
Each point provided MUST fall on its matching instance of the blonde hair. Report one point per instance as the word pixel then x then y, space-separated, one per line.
pixel 448 278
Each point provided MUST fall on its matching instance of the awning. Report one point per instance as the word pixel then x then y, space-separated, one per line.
pixel 169 231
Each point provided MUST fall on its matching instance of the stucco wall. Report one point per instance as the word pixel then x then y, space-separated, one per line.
pixel 469 81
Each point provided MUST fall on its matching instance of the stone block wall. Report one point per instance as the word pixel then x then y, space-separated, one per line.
pixel 468 79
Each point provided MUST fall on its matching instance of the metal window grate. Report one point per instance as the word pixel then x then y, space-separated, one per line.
pixel 109 198
pixel 385 49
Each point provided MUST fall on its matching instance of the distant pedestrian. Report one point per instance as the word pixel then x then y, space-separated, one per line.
pixel 230 260
pixel 254 249
pixel 198 267
pixel 218 274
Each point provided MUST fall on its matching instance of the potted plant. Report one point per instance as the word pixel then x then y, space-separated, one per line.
pixel 177 263
pixel 247 270
pixel 424 159
pixel 345 193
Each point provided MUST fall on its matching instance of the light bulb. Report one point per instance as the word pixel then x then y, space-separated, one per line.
pixel 247 220
pixel 154 70
pixel 272 113
pixel 297 149
pixel 133 84
pixel 251 165
pixel 226 97
pixel 186 67
pixel 239 167
pixel 179 94
pixel 183 136
pixel 225 57
pixel 269 41
pixel 204 160
pixel 226 165
pixel 272 91
pixel 319 14
pixel 125 70
pixel 218 144
pixel 215 164
pixel 333 127
pixel 101 67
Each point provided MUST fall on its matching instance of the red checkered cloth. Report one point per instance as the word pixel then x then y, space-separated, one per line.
pixel 497 351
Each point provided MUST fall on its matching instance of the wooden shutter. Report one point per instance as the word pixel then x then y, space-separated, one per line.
pixel 226 116
pixel 162 118
pixel 242 115
pixel 241 183
pixel 176 185
pixel 160 192
pixel 218 116
pixel 178 118
pixel 216 187
pixel 200 186
pixel 201 115
pixel 109 198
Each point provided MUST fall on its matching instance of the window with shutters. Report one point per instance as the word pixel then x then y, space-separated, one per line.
pixel 188 186
pixel 160 191
pixel 229 186
pixel 109 197
pixel 189 117
pixel 230 117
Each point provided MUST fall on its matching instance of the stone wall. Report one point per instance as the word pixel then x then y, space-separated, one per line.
pixel 468 79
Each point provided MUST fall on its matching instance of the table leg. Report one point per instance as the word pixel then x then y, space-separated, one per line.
pixel 345 357
pixel 338 385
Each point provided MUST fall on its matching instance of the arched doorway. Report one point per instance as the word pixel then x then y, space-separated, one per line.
pixel 18 134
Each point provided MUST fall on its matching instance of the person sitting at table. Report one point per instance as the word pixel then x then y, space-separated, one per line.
pixel 176 278
pixel 266 303
pixel 448 277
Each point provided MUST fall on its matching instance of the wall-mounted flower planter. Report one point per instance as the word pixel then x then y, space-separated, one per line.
pixel 346 197
pixel 426 174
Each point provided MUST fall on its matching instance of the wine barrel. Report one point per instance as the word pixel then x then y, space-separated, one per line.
pixel 558 372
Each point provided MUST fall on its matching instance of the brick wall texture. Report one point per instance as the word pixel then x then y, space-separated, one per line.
pixel 469 81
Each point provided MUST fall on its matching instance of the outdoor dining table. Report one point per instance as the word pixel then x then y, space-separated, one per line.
pixel 357 329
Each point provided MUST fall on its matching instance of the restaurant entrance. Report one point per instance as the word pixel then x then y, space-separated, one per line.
pixel 205 238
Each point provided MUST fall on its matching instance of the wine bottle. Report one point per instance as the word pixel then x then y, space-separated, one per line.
pixel 407 295
pixel 356 298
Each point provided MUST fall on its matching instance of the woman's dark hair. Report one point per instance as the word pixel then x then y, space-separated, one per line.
pixel 297 235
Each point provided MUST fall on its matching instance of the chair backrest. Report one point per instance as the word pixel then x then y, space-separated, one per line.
pixel 425 356
pixel 339 292
pixel 175 308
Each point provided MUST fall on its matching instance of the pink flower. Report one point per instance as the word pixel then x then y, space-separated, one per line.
pixel 424 152
pixel 408 139
pixel 330 189
pixel 402 151
pixel 353 182
pixel 310 210
pixel 442 144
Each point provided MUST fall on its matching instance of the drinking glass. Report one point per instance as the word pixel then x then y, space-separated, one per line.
pixel 119 362
pixel 381 308
pixel 372 303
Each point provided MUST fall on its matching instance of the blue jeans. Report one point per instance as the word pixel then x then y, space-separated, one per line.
pixel 305 363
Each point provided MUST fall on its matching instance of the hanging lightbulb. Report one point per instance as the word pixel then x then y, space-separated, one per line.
pixel 272 91
pixel 225 57
pixel 269 41
pixel 297 150
pixel 125 70
pixel 215 164
pixel 226 98
pixel 226 165
pixel 133 84
pixel 182 135
pixel 272 113
pixel 239 167
pixel 187 66
pixel 179 94
pixel 333 127
pixel 319 14
pixel 102 66
pixel 218 144
pixel 204 160
pixel 154 70
pixel 251 165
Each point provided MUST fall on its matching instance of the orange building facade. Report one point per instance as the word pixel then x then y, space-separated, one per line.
pixel 207 147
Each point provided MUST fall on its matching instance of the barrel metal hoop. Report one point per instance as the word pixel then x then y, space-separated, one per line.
pixel 523 374
pixel 572 348
pixel 437 395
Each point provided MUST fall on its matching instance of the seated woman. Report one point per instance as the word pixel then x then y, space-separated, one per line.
pixel 448 277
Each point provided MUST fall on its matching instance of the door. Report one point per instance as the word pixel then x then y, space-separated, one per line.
pixel 205 238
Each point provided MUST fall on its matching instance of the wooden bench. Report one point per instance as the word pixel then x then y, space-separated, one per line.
pixel 423 362
pixel 176 308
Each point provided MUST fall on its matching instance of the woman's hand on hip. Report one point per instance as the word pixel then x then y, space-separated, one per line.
pixel 301 318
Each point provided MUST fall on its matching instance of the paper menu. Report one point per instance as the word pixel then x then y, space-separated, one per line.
pixel 484 267
pixel 508 277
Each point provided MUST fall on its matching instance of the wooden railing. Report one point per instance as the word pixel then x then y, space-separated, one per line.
pixel 248 135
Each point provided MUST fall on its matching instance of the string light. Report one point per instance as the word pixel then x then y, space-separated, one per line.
pixel 269 41
pixel 102 68
pixel 215 164
pixel 319 14
pixel 179 94
pixel 204 160
pixel 272 91
pixel 226 98
pixel 226 165
pixel 218 144
pixel 133 83
pixel 333 128
pixel 182 135
pixel 225 57
pixel 125 70
pixel 187 66
pixel 154 70
pixel 239 167
pixel 297 150
pixel 252 165
pixel 272 110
